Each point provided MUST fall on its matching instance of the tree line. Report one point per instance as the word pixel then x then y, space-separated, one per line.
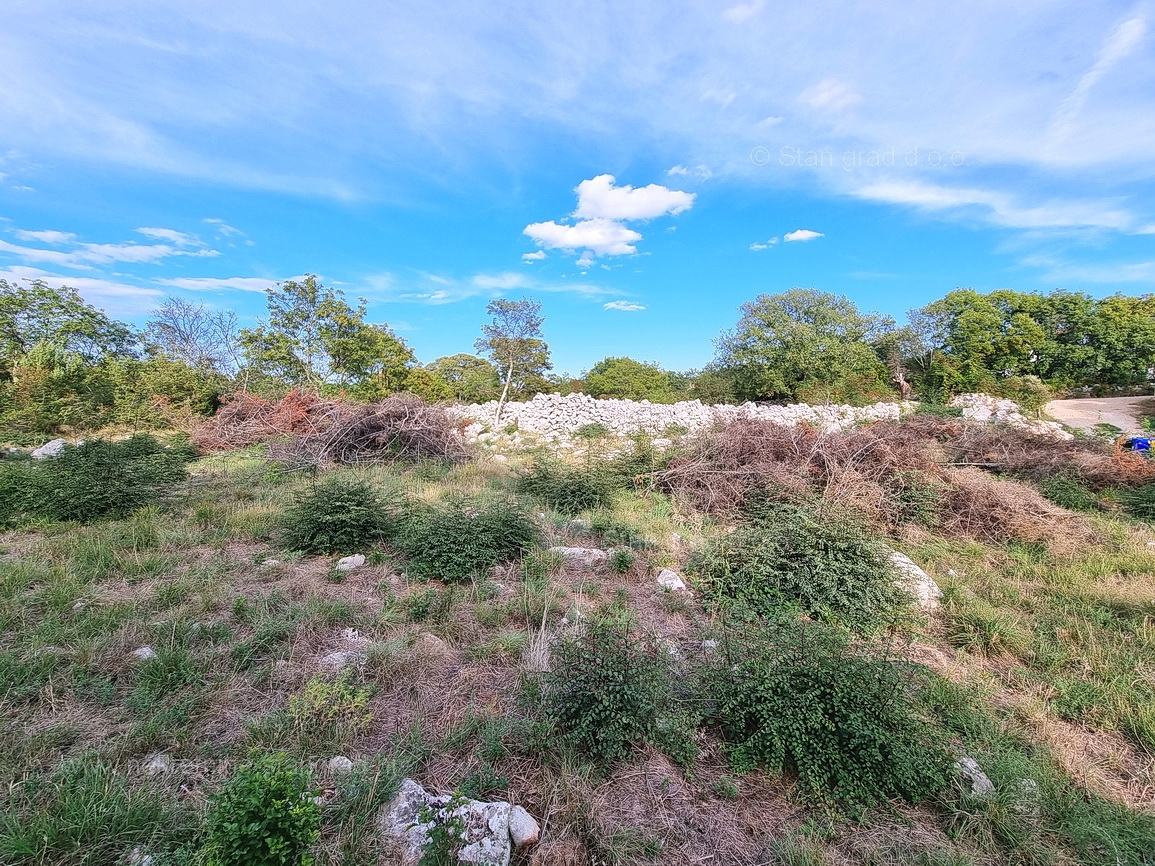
pixel 65 365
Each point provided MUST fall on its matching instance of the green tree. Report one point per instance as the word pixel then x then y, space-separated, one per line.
pixel 805 344
pixel 625 378
pixel 314 339
pixel 50 388
pixel 512 340
pixel 470 378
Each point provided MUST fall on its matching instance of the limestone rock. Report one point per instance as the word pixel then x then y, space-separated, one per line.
pixel 916 581
pixel 980 783
pixel 157 764
pixel 49 449
pixel 485 833
pixel 587 557
pixel 143 654
pixel 348 563
pixel 335 662
pixel 339 765
pixel 523 828
pixel 671 580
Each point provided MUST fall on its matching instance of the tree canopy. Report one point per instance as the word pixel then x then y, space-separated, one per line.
pixel 513 341
pixel 625 378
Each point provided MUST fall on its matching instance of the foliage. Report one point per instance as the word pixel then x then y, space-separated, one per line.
pixel 567 489
pixel 49 388
pixel 821 563
pixel 471 379
pixel 463 539
pixel 313 338
pixel 849 721
pixel 627 379
pixel 158 391
pixel 610 688
pixel 805 341
pixel 622 559
pixel 1029 392
pixel 1068 491
pixel 1139 501
pixel 95 480
pixel 338 515
pixel 263 816
pixel 331 710
pixel 512 340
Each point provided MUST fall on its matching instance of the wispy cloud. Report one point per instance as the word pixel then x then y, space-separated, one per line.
pixel 182 239
pixel 114 297
pixel 624 306
pixel 218 284
pixel 45 237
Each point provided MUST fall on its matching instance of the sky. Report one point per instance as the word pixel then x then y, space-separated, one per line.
pixel 641 168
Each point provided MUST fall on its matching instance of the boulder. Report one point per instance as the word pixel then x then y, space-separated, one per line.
pixel 406 822
pixel 587 557
pixel 916 581
pixel 671 580
pixel 49 449
pixel 980 783
pixel 348 563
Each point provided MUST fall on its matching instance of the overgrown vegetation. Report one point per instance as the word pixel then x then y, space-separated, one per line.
pixel 463 539
pixel 339 515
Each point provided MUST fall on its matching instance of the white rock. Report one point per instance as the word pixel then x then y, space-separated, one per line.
pixel 710 645
pixel 981 785
pixel 590 557
pixel 270 563
pixel 340 766
pixel 348 563
pixel 139 857
pixel 485 835
pixel 49 449
pixel 143 654
pixel 80 604
pixel 523 829
pixel 157 764
pixel 916 581
pixel 335 662
pixel 671 580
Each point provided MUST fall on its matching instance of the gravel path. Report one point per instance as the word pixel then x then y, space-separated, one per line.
pixel 1084 414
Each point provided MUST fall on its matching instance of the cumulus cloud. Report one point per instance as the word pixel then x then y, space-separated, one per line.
pixel 625 306
pixel 587 259
pixel 533 257
pixel 599 198
pixel 801 235
pixel 603 237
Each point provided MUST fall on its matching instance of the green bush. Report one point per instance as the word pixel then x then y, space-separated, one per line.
pixel 850 722
pixel 263 816
pixel 822 564
pixel 95 480
pixel 338 516
pixel 567 489
pixel 1068 491
pixel 610 687
pixel 461 540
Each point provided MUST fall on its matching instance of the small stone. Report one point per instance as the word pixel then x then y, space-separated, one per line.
pixel 270 563
pixel 49 449
pixel 157 764
pixel 138 857
pixel 143 654
pixel 335 662
pixel 981 785
pixel 340 766
pixel 588 557
pixel 348 563
pixel 671 580
pixel 523 829
pixel 80 604
pixel 916 581
pixel 710 645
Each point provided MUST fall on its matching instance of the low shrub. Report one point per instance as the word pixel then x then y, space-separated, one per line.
pixel 97 479
pixel 820 563
pixel 339 515
pixel 567 489
pixel 852 723
pixel 263 816
pixel 1067 491
pixel 1139 501
pixel 331 711
pixel 461 540
pixel 610 688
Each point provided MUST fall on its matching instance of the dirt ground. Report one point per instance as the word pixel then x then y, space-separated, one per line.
pixel 1085 413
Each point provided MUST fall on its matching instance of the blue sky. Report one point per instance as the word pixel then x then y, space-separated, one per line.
pixel 641 168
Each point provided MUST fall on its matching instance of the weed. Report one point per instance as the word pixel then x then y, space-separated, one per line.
pixel 329 713
pixel 566 489
pixel 622 559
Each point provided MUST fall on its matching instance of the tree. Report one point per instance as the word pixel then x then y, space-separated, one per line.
pixel 805 344
pixel 314 339
pixel 625 378
pixel 202 338
pixel 37 313
pixel 470 378
pixel 513 342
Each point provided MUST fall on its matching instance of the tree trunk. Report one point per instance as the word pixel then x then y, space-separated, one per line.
pixel 504 393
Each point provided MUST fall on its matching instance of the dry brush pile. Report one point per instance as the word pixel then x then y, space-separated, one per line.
pixel 929 470
pixel 304 429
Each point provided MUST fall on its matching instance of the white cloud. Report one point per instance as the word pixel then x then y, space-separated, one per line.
pixel 46 237
pixel 625 306
pixel 83 256
pixel 505 281
pixel 587 259
pixel 742 11
pixel 115 298
pixel 773 240
pixel 533 257
pixel 801 235
pixel 830 94
pixel 179 238
pixel 223 227
pixel 218 284
pixel 603 237
pixel 1107 272
pixel 599 198
pixel 699 171
pixel 757 246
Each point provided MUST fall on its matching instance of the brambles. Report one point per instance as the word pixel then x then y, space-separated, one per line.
pixel 849 721
pixel 94 480
pixel 338 516
pixel 263 816
pixel 820 563
pixel 460 540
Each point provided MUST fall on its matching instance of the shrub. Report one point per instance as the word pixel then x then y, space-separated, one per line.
pixel 622 560
pixel 263 816
pixel 822 564
pixel 331 711
pixel 849 722
pixel 95 480
pixel 567 489
pixel 611 688
pixel 461 540
pixel 337 516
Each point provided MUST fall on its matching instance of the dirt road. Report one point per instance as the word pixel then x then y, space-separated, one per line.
pixel 1084 414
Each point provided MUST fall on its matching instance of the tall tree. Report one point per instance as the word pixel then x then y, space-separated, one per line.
pixel 202 338
pixel 625 378
pixel 803 344
pixel 472 379
pixel 513 341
